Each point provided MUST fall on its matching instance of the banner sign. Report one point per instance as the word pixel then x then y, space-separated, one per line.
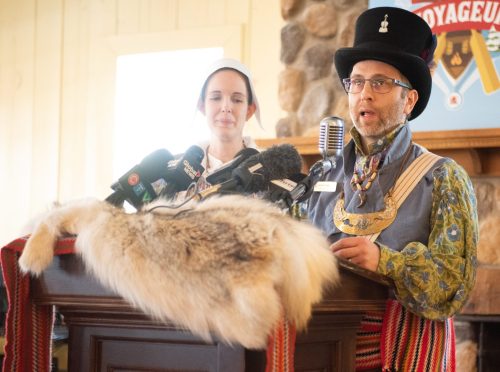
pixel 466 82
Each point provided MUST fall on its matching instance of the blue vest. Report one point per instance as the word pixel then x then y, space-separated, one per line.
pixel 412 222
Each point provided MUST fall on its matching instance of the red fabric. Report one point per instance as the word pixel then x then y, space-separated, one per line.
pixel 28 327
pixel 368 342
pixel 412 343
pixel 281 348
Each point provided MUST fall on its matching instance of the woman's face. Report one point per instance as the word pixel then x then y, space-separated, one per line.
pixel 226 105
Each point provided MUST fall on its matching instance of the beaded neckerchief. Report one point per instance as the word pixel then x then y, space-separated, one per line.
pixel 367 166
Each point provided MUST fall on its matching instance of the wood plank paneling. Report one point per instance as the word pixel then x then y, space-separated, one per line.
pixel 217 11
pixel 163 15
pixel 16 97
pixel 74 99
pixel 128 16
pixel 100 107
pixel 47 100
pixel 193 14
pixel 239 11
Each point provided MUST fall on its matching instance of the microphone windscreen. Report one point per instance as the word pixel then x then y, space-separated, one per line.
pixel 279 161
pixel 155 164
pixel 195 153
pixel 224 173
pixel 183 172
pixel 143 182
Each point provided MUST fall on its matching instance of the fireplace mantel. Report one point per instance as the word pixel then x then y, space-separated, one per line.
pixel 477 150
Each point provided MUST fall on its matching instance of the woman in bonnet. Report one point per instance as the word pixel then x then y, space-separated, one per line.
pixel 227 100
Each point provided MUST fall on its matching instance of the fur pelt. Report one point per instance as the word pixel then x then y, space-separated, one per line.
pixel 229 265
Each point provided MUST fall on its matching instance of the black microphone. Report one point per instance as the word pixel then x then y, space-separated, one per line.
pixel 279 189
pixel 143 182
pixel 255 173
pixel 181 173
pixel 224 173
pixel 331 145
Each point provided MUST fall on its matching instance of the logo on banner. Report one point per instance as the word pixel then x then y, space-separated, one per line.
pixel 458 26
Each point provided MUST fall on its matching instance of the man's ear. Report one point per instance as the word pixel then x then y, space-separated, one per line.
pixel 411 100
pixel 251 110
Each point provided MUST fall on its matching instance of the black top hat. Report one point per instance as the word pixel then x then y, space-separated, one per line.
pixel 397 37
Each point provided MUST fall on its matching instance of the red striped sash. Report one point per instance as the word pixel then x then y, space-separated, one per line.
pixel 28 327
pixel 406 342
pixel 281 348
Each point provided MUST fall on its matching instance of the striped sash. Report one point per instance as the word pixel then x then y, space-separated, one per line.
pixel 368 341
pixel 405 342
pixel 281 348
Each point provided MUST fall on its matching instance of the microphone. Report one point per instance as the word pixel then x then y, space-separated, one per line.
pixel 181 173
pixel 143 182
pixel 331 137
pixel 224 173
pixel 255 173
pixel 279 189
pixel 331 145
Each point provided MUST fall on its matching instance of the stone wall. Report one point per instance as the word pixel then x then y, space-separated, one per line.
pixel 309 88
pixel 488 197
pixel 488 255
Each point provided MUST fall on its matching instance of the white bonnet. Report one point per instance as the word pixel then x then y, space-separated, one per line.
pixel 238 66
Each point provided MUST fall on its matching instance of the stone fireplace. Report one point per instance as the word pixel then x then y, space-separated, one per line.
pixel 309 88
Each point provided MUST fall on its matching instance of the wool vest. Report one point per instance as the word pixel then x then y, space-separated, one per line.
pixel 412 222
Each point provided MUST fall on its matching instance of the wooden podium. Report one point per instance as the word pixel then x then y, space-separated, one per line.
pixel 105 333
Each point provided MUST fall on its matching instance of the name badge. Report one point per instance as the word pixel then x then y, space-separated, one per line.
pixel 325 186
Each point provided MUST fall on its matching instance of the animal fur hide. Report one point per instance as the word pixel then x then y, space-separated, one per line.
pixel 229 265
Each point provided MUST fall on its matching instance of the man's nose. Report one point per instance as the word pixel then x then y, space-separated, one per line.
pixel 366 91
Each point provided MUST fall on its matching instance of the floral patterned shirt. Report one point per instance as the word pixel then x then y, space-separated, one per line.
pixel 434 280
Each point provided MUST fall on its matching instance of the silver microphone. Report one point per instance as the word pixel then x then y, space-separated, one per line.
pixel 331 146
pixel 331 137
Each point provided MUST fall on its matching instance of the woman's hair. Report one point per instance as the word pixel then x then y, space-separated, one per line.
pixel 245 79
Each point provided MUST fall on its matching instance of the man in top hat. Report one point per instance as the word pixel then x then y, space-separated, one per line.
pixel 393 207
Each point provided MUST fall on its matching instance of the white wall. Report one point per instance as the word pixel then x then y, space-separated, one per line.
pixel 57 65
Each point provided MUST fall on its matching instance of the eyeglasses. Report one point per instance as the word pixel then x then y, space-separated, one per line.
pixel 378 85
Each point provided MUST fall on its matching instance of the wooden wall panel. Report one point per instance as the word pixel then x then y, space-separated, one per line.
pixel 239 11
pixel 217 11
pixel 193 14
pixel 17 103
pixel 46 103
pixel 128 16
pixel 74 100
pixel 101 90
pixel 163 15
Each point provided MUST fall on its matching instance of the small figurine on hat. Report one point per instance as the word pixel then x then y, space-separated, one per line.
pixel 407 44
